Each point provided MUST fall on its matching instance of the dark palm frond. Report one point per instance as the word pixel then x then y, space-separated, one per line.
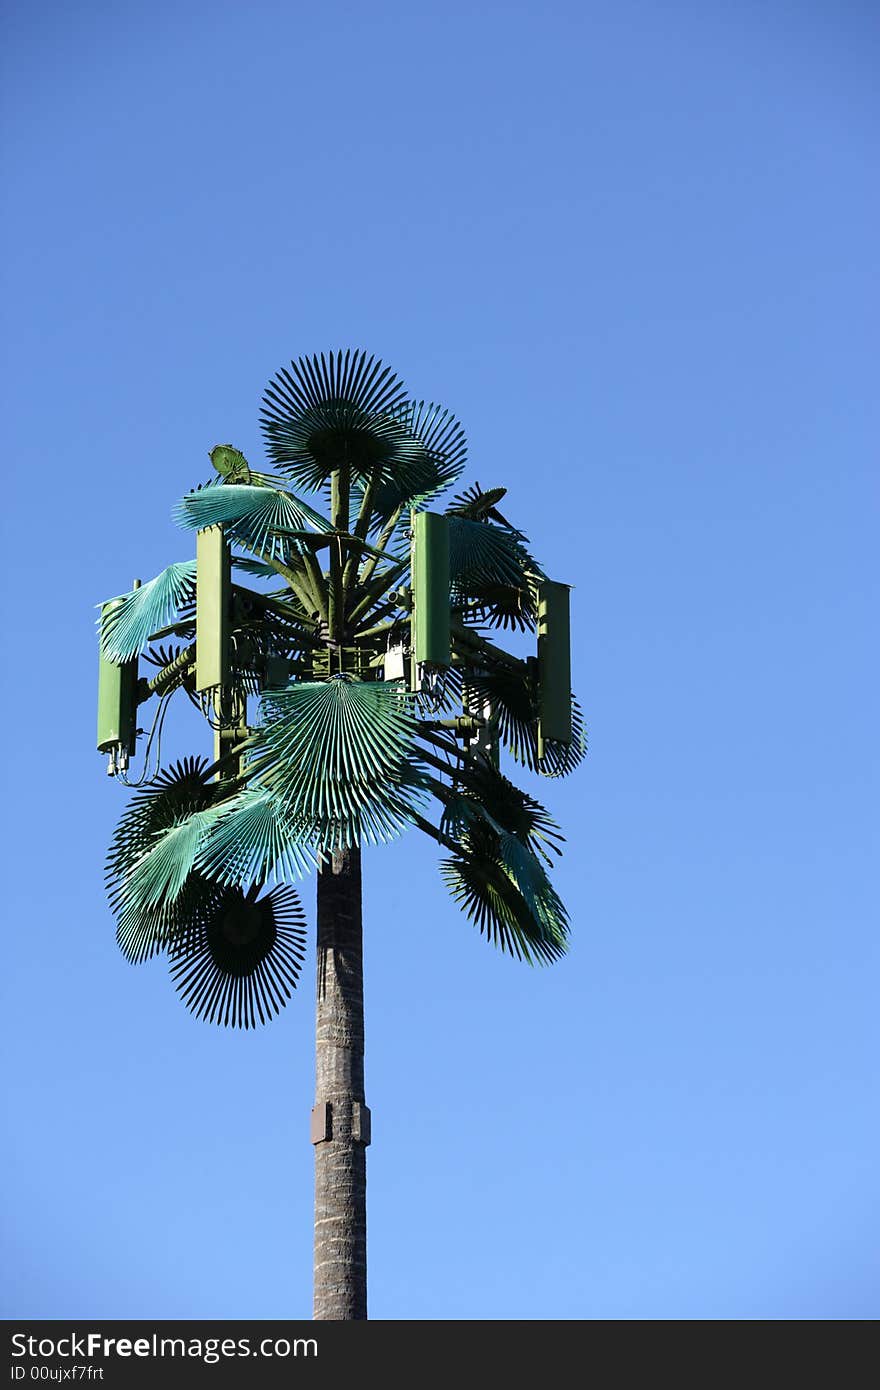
pixel 509 693
pixel 249 515
pixel 500 605
pixel 443 696
pixel 174 794
pixel 240 963
pixel 461 815
pixel 524 869
pixel 444 442
pixel 176 668
pixel 560 759
pixel 240 839
pixel 258 568
pixel 340 410
pixel 486 803
pixel 422 479
pixel 490 895
pixel 475 504
pixel 339 755
pixel 162 656
pixel 128 622
pixel 481 553
pixel 142 932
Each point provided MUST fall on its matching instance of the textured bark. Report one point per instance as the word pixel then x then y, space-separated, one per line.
pixel 341 1158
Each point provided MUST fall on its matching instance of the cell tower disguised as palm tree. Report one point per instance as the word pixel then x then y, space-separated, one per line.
pixel 353 695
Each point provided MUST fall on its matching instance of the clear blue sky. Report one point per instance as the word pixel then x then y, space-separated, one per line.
pixel 634 248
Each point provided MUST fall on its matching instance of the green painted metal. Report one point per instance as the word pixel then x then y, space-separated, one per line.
pixel 430 642
pixel 117 699
pixel 554 664
pixel 277 671
pixel 213 589
pixel 230 463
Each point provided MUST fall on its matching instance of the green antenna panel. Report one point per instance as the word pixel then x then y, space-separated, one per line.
pixel 430 578
pixel 117 702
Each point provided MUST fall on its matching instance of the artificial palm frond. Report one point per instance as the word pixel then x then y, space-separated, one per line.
pixel 422 479
pixel 159 876
pixel 258 568
pixel 248 514
pixel 375 822
pixel 141 932
pixel 496 875
pixel 485 800
pixel 126 625
pixel 501 605
pixel 176 669
pixel 162 656
pixel 444 442
pixel 241 963
pixel 489 895
pixel 509 693
pixel 524 869
pixel 562 758
pixel 339 754
pixel 338 411
pixel 235 841
pixel 175 793
pixel 478 505
pixel 482 553
pixel 252 838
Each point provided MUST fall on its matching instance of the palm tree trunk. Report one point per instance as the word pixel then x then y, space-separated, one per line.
pixel 340 1119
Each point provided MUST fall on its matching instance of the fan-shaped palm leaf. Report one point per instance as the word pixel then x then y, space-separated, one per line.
pixel 159 876
pixel 562 758
pixel 141 932
pixel 481 553
pixel 251 838
pixel 488 894
pixel 241 963
pixel 175 793
pixel 234 841
pixel 126 626
pixel 483 794
pixel 525 870
pixel 250 515
pixel 339 754
pixel 423 479
pixel 337 411
pixel 444 442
